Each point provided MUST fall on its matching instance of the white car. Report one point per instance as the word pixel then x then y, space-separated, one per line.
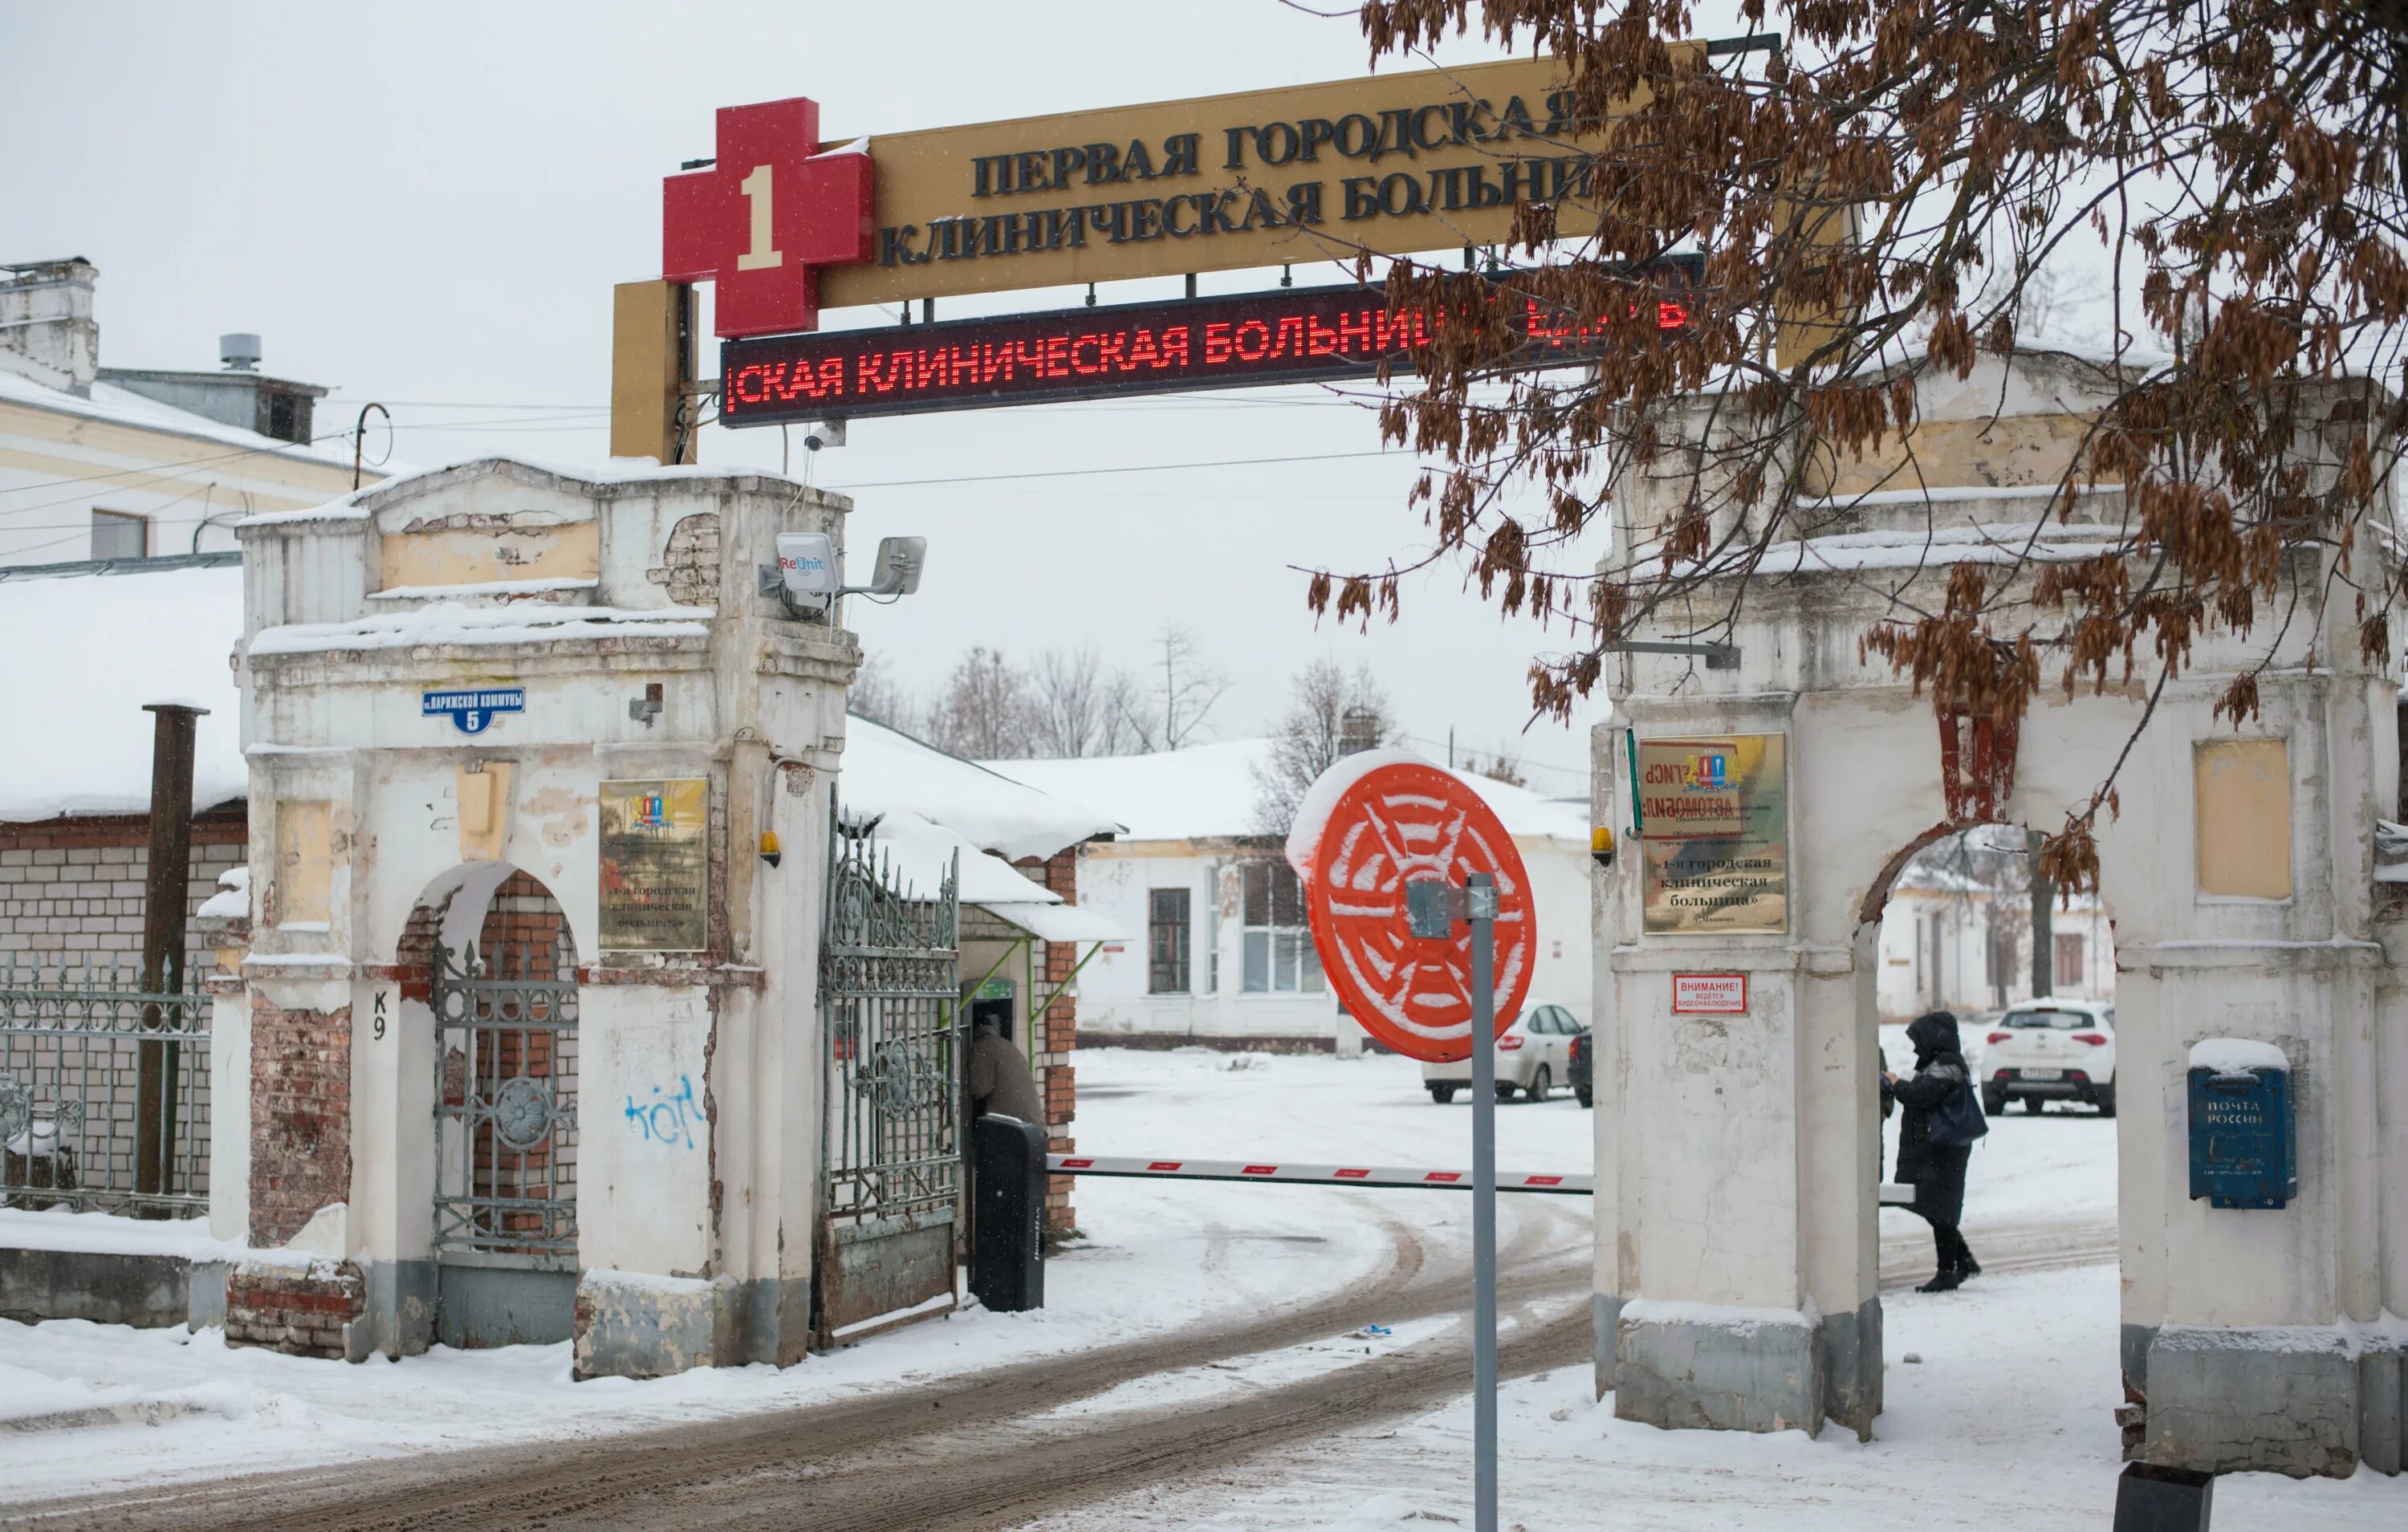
pixel 1534 1056
pixel 2056 1048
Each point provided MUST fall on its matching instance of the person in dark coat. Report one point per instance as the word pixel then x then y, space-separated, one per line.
pixel 1000 1078
pixel 1937 1173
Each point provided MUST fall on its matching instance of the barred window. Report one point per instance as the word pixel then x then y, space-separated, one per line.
pixel 1167 930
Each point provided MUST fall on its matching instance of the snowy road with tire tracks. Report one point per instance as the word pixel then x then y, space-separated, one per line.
pixel 1257 1341
pixel 964 1454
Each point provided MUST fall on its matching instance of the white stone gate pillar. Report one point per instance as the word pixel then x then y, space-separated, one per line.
pixel 1736 1155
pixel 491 670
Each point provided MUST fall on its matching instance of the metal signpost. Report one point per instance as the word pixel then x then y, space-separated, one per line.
pixel 1435 909
pixel 1418 899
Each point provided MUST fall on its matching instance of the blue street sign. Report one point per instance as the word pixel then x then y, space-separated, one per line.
pixel 471 710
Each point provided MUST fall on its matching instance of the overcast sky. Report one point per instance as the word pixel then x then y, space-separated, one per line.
pixel 427 203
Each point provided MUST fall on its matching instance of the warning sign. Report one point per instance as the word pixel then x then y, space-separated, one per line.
pixel 1710 994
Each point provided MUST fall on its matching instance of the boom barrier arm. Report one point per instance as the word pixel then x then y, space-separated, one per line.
pixel 1391 1176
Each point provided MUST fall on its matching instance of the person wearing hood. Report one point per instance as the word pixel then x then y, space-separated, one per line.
pixel 1937 1172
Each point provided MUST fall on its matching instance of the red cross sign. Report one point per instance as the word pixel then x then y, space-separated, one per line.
pixel 766 217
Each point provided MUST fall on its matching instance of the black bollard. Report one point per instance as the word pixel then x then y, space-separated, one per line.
pixel 1008 1222
pixel 2150 1498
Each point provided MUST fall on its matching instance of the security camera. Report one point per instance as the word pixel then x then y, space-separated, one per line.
pixel 821 433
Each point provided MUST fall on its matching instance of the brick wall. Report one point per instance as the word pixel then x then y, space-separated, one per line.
pixel 300 1117
pixel 1055 1035
pixel 300 1310
pixel 71 889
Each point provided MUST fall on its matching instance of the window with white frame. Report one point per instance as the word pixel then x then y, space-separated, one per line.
pixel 1279 955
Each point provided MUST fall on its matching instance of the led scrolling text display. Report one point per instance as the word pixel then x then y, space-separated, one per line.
pixel 1284 336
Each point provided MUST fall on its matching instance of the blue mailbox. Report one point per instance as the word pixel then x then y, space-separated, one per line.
pixel 2244 1145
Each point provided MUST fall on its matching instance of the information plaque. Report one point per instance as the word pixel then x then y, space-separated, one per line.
pixel 1713 817
pixel 655 865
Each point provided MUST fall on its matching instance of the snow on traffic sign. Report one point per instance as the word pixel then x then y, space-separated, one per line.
pixel 1372 823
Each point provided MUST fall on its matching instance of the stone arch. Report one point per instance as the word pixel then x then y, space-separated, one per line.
pixel 486 966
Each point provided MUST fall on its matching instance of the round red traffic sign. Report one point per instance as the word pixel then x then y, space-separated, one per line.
pixel 1404 821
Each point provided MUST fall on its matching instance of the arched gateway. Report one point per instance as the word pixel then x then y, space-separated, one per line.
pixel 528 1027
pixel 1737 1126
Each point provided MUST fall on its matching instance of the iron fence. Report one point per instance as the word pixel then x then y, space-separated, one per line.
pixel 891 984
pixel 104 1094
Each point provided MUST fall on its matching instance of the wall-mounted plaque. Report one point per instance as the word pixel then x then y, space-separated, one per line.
pixel 655 865
pixel 1714 815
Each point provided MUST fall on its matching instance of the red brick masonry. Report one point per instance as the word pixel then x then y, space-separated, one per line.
pixel 300 1117
pixel 299 1310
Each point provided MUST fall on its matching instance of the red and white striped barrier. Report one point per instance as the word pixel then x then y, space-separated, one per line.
pixel 1311 1175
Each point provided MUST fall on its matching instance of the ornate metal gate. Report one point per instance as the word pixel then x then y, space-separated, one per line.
pixel 891 1161
pixel 506 1109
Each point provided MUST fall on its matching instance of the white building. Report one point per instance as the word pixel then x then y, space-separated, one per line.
pixel 1226 957
pixel 114 463
pixel 1948 944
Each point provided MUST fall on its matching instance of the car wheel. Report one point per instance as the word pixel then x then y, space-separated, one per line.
pixel 1993 1103
pixel 1542 1081
pixel 1587 1096
pixel 2104 1098
pixel 1442 1093
pixel 2034 1104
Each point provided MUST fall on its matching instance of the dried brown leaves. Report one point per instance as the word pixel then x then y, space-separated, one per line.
pixel 2237 161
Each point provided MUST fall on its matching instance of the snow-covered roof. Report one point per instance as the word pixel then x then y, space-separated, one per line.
pixel 459 624
pixel 920 851
pixel 361 502
pixel 1208 790
pixel 887 771
pixel 84 652
pixel 117 406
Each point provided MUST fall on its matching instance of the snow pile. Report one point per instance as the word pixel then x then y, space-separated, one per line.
pixel 456 623
pixel 1321 801
pixel 922 852
pixel 2237 1056
pixel 886 771
pixel 87 652
pixel 1915 547
pixel 113 1234
pixel 232 901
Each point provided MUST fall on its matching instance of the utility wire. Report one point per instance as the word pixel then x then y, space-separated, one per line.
pixel 1081 473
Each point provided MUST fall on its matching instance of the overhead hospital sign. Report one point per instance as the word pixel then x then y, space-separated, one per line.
pixel 787 223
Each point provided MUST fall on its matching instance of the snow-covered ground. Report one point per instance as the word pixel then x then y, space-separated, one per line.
pixel 2003 1423
pixel 2006 1416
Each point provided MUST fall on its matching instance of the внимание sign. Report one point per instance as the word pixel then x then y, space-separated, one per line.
pixel 655 865
pixel 1714 819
